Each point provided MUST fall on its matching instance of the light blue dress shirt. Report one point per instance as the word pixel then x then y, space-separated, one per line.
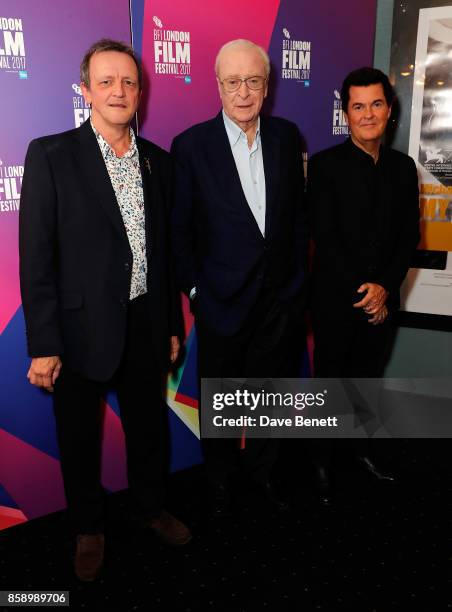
pixel 250 166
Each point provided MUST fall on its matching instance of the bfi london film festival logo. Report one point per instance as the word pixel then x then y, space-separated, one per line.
pixel 171 52
pixel 80 107
pixel 340 125
pixel 296 59
pixel 10 187
pixel 12 47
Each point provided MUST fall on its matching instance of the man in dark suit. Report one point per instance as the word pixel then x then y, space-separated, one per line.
pixel 364 204
pixel 96 289
pixel 239 240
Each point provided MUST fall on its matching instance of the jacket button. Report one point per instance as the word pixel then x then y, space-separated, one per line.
pixel 127 266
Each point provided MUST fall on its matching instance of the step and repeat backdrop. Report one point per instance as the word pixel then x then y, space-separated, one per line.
pixel 311 48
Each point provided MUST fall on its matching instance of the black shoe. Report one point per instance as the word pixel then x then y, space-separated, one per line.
pixel 89 556
pixel 267 491
pixel 169 529
pixel 324 486
pixel 369 466
pixel 219 501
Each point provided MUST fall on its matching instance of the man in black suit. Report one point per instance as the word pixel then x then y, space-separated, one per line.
pixel 364 204
pixel 97 297
pixel 239 240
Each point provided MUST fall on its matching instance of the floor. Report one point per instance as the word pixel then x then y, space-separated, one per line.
pixel 379 548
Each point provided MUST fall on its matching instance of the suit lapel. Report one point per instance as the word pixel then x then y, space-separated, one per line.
pixel 94 170
pixel 361 191
pixel 384 206
pixel 221 160
pixel 151 194
pixel 271 155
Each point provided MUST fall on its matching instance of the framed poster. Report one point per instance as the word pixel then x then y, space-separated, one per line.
pixel 421 69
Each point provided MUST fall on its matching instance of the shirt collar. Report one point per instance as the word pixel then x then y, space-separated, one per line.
pixel 361 154
pixel 107 151
pixel 234 132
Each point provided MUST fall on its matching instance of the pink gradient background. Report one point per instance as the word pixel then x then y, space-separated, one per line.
pixel 9 266
pixel 210 27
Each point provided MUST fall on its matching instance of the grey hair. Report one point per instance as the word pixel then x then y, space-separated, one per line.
pixel 243 42
pixel 107 44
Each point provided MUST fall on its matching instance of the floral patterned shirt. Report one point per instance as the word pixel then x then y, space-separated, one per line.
pixel 125 176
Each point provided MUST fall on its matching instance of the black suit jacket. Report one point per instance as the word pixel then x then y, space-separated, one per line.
pixel 363 231
pixel 75 258
pixel 216 241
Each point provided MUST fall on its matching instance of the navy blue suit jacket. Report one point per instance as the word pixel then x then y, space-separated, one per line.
pixel 216 242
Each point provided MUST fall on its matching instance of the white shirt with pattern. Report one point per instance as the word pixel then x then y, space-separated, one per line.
pixel 125 176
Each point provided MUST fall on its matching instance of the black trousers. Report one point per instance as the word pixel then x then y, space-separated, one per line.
pixel 268 345
pixel 77 402
pixel 350 348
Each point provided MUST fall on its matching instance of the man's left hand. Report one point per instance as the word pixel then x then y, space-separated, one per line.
pixel 379 317
pixel 374 299
pixel 174 349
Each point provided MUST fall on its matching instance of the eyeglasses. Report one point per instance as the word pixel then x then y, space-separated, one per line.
pixel 234 83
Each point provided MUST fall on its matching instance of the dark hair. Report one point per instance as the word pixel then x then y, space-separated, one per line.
pixel 107 44
pixel 362 77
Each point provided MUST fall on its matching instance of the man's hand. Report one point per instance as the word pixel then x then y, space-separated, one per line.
pixel 174 349
pixel 44 371
pixel 379 316
pixel 374 299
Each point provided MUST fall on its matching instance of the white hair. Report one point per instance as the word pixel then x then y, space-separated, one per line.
pixel 242 42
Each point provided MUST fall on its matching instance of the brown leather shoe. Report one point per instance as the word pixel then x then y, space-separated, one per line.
pixel 89 556
pixel 170 529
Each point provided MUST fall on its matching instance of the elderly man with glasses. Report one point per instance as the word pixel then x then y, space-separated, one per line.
pixel 239 241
